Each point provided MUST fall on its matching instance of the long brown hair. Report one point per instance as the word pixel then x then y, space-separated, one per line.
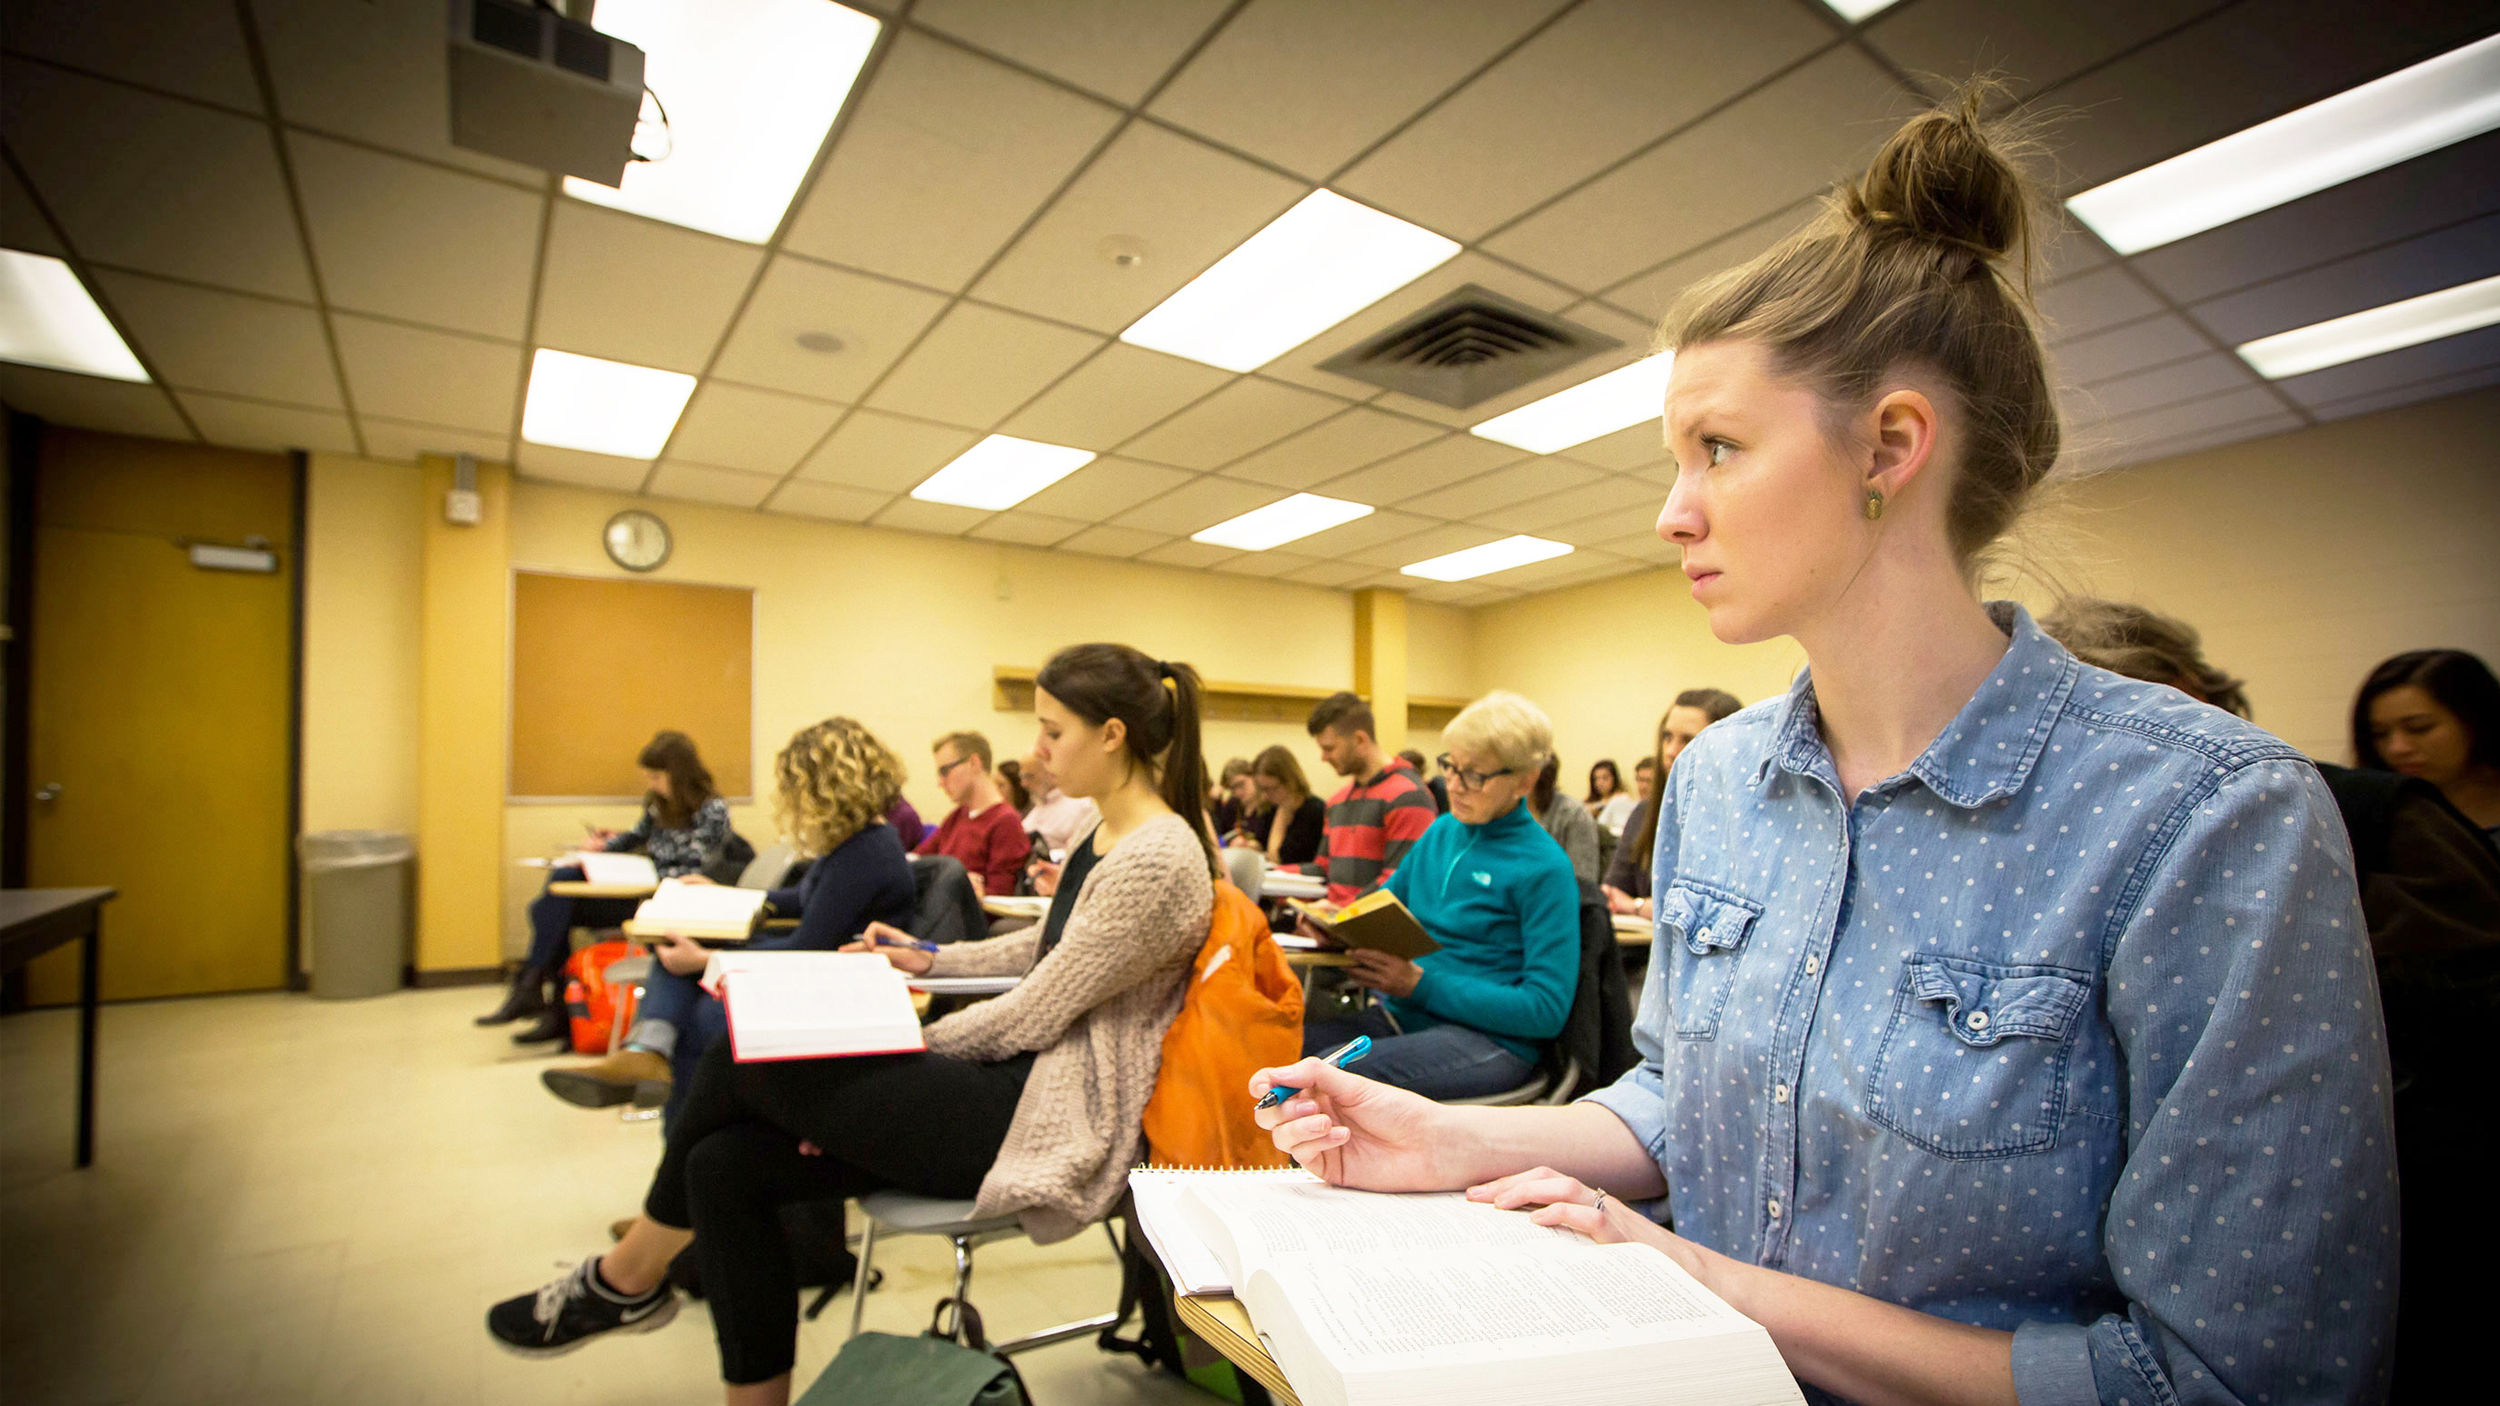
pixel 1277 765
pixel 1719 705
pixel 689 781
pixel 1156 701
pixel 2142 644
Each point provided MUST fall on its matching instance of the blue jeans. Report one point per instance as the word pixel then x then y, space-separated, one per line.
pixel 552 920
pixel 1445 1061
pixel 700 1022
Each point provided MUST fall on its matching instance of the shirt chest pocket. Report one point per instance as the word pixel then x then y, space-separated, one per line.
pixel 1708 926
pixel 1973 1063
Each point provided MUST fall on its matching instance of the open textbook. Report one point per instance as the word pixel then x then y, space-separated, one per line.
pixel 626 870
pixel 1370 1299
pixel 812 1005
pixel 708 913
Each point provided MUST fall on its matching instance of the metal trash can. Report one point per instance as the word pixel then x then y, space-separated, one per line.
pixel 356 910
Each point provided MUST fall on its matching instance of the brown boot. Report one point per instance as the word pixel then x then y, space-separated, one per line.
pixel 636 1075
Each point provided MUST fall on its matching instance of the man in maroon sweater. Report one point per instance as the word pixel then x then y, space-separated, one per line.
pixel 982 831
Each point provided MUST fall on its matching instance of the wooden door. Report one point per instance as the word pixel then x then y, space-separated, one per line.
pixel 159 712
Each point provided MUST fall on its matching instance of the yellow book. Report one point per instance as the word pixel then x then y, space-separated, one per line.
pixel 1376 921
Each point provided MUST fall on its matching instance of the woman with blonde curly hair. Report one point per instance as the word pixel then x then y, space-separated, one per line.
pixel 835 781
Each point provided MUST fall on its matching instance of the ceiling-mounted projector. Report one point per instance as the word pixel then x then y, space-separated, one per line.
pixel 530 85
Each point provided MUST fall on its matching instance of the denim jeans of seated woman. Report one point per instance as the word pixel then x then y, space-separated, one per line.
pixel 1444 1061
pixel 553 918
pixel 695 1019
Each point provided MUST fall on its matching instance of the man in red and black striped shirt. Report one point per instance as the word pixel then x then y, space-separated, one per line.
pixel 1382 811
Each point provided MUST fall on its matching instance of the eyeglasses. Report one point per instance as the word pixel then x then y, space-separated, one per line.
pixel 1469 780
pixel 950 766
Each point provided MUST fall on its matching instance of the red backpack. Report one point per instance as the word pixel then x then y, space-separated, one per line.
pixel 1242 1013
pixel 591 1002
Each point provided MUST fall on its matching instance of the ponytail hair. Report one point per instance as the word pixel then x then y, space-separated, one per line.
pixel 1157 703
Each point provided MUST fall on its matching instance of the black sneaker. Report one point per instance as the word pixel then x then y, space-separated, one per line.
pixel 571 1311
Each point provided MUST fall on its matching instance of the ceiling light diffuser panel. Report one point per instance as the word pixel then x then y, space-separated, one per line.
pixel 1313 267
pixel 750 88
pixel 1000 472
pixel 2433 104
pixel 48 318
pixel 605 407
pixel 1620 399
pixel 1286 520
pixel 2383 329
pixel 1487 559
pixel 1856 10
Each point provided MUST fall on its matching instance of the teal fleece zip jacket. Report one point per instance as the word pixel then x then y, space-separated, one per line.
pixel 1501 901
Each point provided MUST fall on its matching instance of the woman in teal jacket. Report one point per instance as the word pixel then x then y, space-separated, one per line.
pixel 1497 893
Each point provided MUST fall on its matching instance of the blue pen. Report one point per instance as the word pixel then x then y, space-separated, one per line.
pixel 1342 1056
pixel 876 941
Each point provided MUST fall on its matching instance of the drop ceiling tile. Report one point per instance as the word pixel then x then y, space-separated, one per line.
pixel 636 290
pixel 1625 502
pixel 1652 292
pixel 1612 525
pixel 2090 302
pixel 250 424
pixel 1585 92
pixel 408 240
pixel 1440 539
pixel 1642 546
pixel 827 500
pixel 1457 593
pixel 1186 203
pixel 2188 417
pixel 1249 414
pixel 193 47
pixel 1519 488
pixel 1199 504
pixel 1194 555
pixel 1027 529
pixel 91 402
pixel 913 515
pixel 1301 365
pixel 2029 46
pixel 1760 154
pixel 978 364
pixel 874 318
pixel 432 378
pixel 887 452
pixel 22 226
pixel 1114 541
pixel 1112 397
pixel 581 468
pixel 1104 487
pixel 1308 84
pixel 405 440
pixel 2210 374
pixel 944 157
pixel 1117 48
pixel 2124 350
pixel 2410 394
pixel 374 71
pixel 737 427
pixel 1329 573
pixel 2139 454
pixel 1629 448
pixel 2465 351
pixel 1339 543
pixel 1270 564
pixel 2458 254
pixel 202 339
pixel 1453 459
pixel 1557 572
pixel 153 183
pixel 1332 447
pixel 701 483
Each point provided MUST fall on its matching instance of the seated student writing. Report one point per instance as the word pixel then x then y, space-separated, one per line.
pixel 684 826
pixel 834 784
pixel 982 831
pixel 1497 893
pixel 1627 879
pixel 1289 822
pixel 1042 1089
pixel 2011 1034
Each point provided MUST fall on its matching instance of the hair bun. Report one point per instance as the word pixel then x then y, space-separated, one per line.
pixel 1946 179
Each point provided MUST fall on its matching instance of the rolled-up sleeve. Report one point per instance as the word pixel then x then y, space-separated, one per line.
pixel 1639 1096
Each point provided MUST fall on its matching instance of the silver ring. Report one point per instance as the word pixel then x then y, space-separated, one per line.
pixel 1599 1205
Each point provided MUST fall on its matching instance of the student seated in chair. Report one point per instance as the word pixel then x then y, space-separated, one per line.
pixel 1627 879
pixel 983 832
pixel 1289 821
pixel 684 828
pixel 834 784
pixel 1497 893
pixel 1042 1090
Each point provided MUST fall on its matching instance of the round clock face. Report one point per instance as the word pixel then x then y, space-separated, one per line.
pixel 636 540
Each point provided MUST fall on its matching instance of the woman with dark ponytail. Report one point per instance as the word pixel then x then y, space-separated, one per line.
pixel 1031 1103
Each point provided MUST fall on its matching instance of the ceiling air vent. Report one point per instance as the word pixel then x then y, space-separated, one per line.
pixel 1468 348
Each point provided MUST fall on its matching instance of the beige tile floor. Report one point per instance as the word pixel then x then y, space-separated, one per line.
pixel 309 1201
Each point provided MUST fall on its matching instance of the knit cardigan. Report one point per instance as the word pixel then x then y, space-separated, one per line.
pixel 1093 1012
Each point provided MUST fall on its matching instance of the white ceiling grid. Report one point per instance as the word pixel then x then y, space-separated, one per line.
pixel 263 198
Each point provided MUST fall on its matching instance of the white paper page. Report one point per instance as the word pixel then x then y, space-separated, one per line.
pixel 619 869
pixel 963 985
pixel 1274 1218
pixel 818 1003
pixel 677 900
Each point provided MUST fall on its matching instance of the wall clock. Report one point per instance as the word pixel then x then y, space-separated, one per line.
pixel 636 540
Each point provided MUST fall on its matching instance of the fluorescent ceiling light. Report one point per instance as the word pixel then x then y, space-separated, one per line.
pixel 47 318
pixel 2384 329
pixel 1000 472
pixel 606 407
pixel 1491 557
pixel 1281 521
pixel 751 87
pixel 1856 10
pixel 1313 267
pixel 1621 398
pixel 2435 103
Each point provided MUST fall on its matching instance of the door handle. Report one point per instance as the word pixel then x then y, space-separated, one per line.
pixel 50 791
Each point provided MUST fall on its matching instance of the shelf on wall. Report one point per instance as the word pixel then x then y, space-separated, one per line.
pixel 1011 691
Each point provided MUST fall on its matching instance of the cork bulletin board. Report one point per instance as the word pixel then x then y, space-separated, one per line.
pixel 599 664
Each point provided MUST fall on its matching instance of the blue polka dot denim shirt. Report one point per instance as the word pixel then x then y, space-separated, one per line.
pixel 2069 1029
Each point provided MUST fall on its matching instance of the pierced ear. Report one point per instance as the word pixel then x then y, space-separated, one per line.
pixel 1905 441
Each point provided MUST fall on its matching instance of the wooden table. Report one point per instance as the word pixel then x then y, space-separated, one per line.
pixel 33 922
pixel 584 888
pixel 1303 886
pixel 1015 905
pixel 1222 1323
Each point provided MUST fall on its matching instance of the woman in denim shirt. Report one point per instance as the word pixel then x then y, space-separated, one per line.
pixel 2014 1034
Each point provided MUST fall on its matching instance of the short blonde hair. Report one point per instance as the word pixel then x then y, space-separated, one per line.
pixel 836 779
pixel 1507 727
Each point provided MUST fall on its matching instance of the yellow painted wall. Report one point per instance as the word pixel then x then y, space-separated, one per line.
pixel 365 527
pixel 464 631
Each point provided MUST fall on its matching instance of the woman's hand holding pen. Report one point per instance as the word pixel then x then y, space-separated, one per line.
pixel 1045 877
pixel 1352 1131
pixel 682 954
pixel 908 954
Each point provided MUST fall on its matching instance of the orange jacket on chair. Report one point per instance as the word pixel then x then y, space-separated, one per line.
pixel 1243 1012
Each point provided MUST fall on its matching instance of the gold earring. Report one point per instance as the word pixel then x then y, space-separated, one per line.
pixel 1874 505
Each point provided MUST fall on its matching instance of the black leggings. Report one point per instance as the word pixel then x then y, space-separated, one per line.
pixel 921 1123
